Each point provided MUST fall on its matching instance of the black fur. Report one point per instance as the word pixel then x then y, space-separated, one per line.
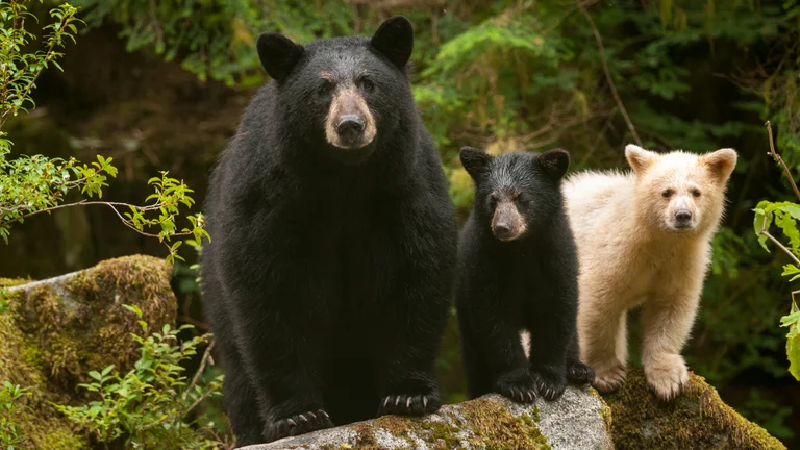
pixel 329 271
pixel 529 283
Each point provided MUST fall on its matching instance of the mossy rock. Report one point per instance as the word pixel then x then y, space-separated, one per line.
pixel 698 419
pixel 487 423
pixel 60 329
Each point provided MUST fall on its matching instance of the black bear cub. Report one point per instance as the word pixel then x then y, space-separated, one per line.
pixel 517 271
pixel 328 277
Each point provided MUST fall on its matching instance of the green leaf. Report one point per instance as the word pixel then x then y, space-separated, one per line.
pixel 793 340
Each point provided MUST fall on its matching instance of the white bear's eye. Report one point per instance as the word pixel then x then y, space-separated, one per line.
pixel 668 193
pixel 696 193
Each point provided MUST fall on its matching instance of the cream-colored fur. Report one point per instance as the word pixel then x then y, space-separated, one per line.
pixel 632 251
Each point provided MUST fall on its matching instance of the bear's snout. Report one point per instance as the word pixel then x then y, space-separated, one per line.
pixel 350 123
pixel 507 223
pixel 683 218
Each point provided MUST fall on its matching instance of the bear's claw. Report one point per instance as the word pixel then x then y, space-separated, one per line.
pixel 298 424
pixel 580 373
pixel 517 386
pixel 548 387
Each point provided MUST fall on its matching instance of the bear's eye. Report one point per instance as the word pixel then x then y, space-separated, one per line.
pixel 696 193
pixel 668 193
pixel 493 200
pixel 367 85
pixel 325 87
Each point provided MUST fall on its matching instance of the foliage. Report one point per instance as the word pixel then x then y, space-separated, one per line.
pixel 11 403
pixel 784 215
pixel 35 184
pixel 152 406
pixel 19 70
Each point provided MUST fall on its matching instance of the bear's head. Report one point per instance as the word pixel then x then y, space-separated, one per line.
pixel 680 191
pixel 516 193
pixel 343 95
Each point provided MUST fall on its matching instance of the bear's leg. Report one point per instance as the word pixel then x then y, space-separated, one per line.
pixel 603 341
pixel 549 343
pixel 416 316
pixel 281 334
pixel 667 321
pixel 478 380
pixel 239 398
pixel 577 371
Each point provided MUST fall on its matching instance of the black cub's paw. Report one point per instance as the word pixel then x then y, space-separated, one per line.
pixel 580 373
pixel 517 385
pixel 414 399
pixel 548 386
pixel 299 424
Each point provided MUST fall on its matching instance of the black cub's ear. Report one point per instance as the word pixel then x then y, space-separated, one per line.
pixel 277 54
pixel 395 40
pixel 554 162
pixel 474 160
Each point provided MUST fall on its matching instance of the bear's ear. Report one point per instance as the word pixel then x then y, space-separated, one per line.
pixel 474 160
pixel 395 40
pixel 638 158
pixel 278 55
pixel 555 162
pixel 720 163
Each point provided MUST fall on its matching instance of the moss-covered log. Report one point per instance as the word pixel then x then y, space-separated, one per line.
pixel 57 330
pixel 576 421
pixel 698 419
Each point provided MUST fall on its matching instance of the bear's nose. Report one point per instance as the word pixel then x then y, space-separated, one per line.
pixel 683 217
pixel 502 230
pixel 350 125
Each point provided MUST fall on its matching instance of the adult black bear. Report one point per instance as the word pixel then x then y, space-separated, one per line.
pixel 328 276
pixel 517 270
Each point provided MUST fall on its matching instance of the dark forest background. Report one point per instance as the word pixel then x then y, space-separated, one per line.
pixel 160 85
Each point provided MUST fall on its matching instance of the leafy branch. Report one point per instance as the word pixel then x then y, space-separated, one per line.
pixel 785 215
pixel 32 185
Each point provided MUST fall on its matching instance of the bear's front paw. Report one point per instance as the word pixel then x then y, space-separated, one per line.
pixel 549 386
pixel 579 373
pixel 517 385
pixel 610 379
pixel 666 376
pixel 297 424
pixel 411 400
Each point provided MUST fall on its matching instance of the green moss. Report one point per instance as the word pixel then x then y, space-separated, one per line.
pixel 56 333
pixel 698 419
pixel 605 410
pixel 8 282
pixel 496 429
pixel 482 423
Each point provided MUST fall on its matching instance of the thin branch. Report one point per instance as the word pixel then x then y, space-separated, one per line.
pixel 609 80
pixel 779 160
pixel 769 236
pixel 111 205
pixel 780 246
pixel 200 370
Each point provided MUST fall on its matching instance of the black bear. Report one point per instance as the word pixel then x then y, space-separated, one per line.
pixel 517 271
pixel 333 241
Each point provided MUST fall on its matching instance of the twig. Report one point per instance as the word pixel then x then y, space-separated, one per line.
pixel 769 236
pixel 779 160
pixel 609 80
pixel 111 205
pixel 200 370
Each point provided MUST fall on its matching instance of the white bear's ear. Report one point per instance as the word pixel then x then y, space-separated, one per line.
pixel 555 162
pixel 474 160
pixel 395 40
pixel 277 54
pixel 638 158
pixel 720 163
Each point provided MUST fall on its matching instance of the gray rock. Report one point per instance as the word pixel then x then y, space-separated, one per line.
pixel 574 422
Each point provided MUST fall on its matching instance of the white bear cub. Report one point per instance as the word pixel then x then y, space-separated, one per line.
pixel 644 238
